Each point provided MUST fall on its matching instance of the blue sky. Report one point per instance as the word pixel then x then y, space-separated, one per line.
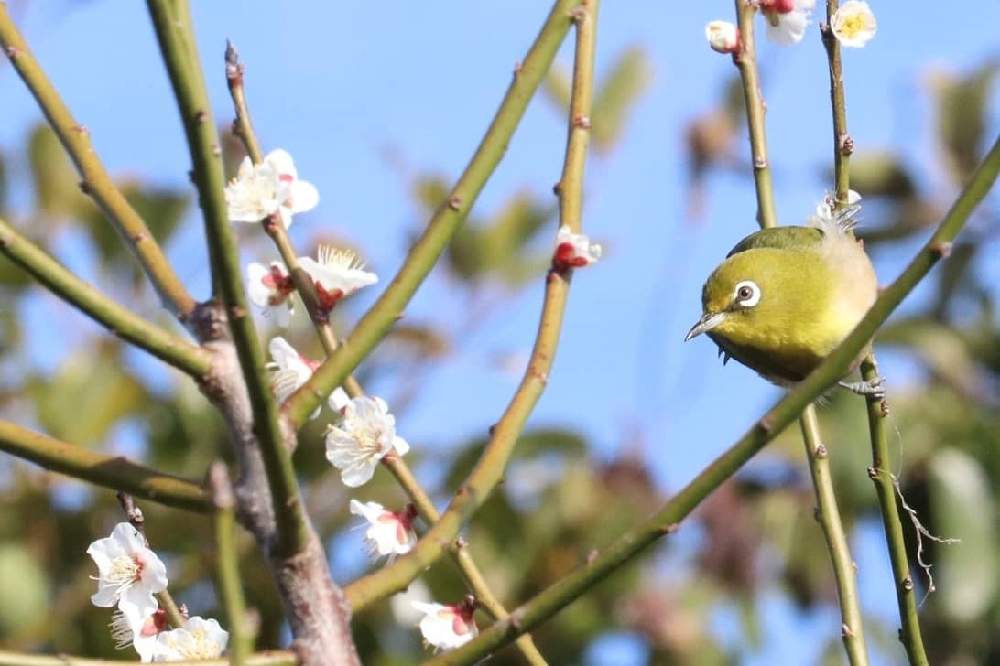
pixel 344 85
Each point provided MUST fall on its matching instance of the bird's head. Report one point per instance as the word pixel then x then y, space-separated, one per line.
pixel 747 296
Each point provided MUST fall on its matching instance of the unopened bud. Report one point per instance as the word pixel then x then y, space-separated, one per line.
pixel 723 36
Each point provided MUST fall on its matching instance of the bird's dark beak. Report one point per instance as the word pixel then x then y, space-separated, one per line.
pixel 708 321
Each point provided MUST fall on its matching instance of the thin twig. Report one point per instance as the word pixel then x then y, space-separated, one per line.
pixel 243 128
pixel 124 323
pixel 96 182
pixel 228 565
pixel 666 520
pixel 828 513
pixel 746 62
pixel 114 472
pixel 493 461
pixel 378 321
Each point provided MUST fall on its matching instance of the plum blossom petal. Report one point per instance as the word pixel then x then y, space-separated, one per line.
pixel 853 24
pixel 389 533
pixel 787 20
pixel 270 188
pixel 574 250
pixel 129 573
pixel 722 36
pixel 197 639
pixel 270 287
pixel 448 627
pixel 336 274
pixel 129 627
pixel 290 370
pixel 366 434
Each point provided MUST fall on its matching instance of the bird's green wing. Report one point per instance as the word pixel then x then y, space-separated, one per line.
pixel 782 238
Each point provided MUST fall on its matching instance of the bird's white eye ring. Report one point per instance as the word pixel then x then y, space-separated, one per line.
pixel 747 294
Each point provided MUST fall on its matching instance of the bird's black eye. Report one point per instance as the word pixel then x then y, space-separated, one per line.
pixel 746 294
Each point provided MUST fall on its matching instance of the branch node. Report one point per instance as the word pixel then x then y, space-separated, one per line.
pixel 592 555
pixel 200 116
pixel 455 202
pixel 845 144
pixel 81 129
pixel 846 631
pixel 86 188
pixel 765 425
pixel 941 249
pixel 872 473
pixel 581 121
pixel 12 52
pixel 760 162
pixel 557 189
pixel 821 451
pixel 907 584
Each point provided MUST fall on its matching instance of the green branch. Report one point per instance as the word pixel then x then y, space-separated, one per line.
pixel 843 147
pixel 843 144
pixel 172 21
pixel 271 658
pixel 122 322
pixel 828 515
pixel 389 307
pixel 906 596
pixel 667 519
pixel 491 465
pixel 746 63
pixel 114 472
pixel 227 564
pixel 95 179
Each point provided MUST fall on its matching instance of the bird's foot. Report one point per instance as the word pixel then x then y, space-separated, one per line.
pixel 874 388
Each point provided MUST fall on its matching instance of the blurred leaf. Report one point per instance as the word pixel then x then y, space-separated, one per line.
pixel 963 508
pixel 906 218
pixel 880 174
pixel 87 395
pixel 962 115
pixel 557 87
pixel 25 595
pixel 162 209
pixel 530 444
pixel 56 183
pixel 953 274
pixel 618 92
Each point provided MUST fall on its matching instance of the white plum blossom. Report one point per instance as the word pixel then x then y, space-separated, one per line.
pixel 853 24
pixel 787 20
pixel 197 639
pixel 574 250
pixel 723 36
pixel 270 188
pixel 336 274
pixel 129 627
pixel 270 288
pixel 448 627
pixel 366 434
pixel 129 573
pixel 290 370
pixel 389 533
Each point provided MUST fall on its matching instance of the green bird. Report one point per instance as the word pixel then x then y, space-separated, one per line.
pixel 785 297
